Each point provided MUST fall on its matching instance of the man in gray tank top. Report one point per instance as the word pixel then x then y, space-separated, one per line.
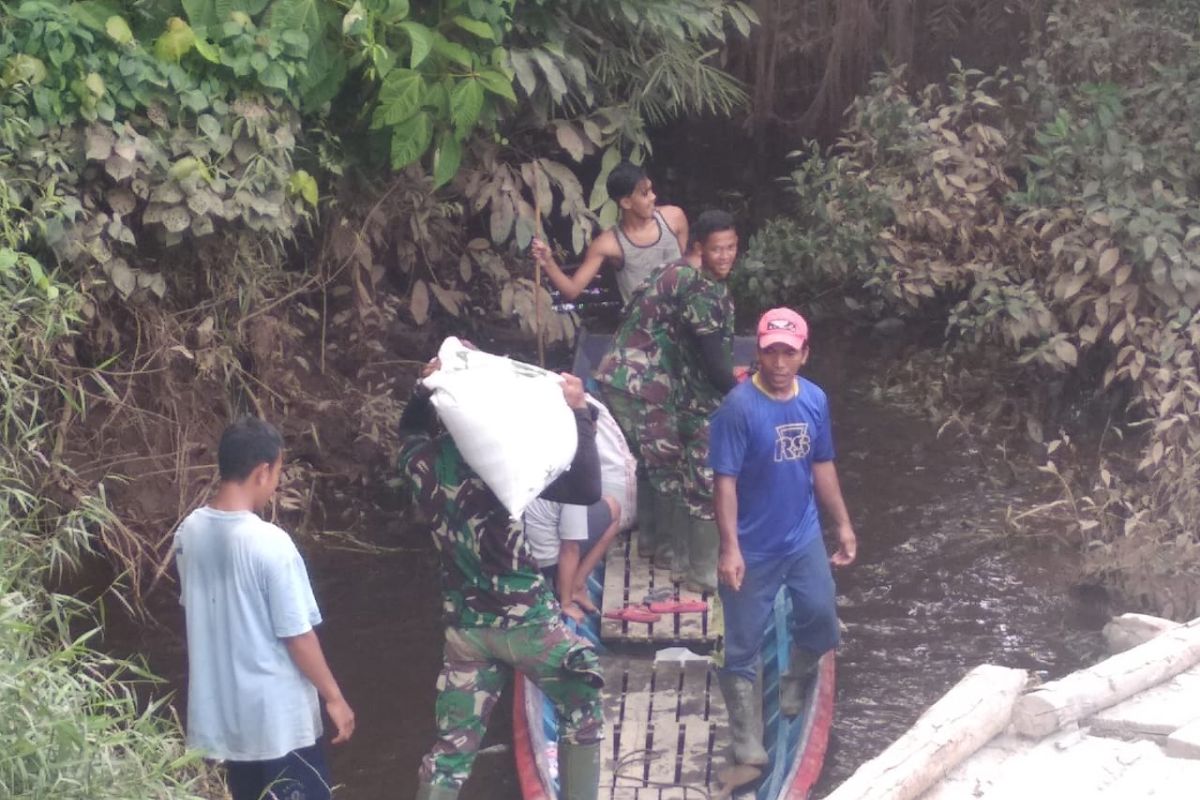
pixel 646 237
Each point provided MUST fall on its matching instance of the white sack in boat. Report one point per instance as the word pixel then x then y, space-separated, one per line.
pixel 507 418
pixel 618 468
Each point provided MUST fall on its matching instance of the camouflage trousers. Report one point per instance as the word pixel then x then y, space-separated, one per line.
pixel 671 445
pixel 477 663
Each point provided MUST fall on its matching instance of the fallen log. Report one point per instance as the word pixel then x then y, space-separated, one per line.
pixel 1129 630
pixel 1118 677
pixel 966 718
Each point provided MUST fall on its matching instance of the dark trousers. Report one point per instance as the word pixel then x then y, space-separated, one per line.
pixel 300 775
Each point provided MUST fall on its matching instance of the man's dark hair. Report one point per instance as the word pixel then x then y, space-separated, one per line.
pixel 710 222
pixel 244 445
pixel 623 179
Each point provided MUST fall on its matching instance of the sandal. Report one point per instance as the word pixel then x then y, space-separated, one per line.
pixel 633 614
pixel 679 607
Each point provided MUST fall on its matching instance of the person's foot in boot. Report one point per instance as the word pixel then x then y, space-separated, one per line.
pixel 664 542
pixel 436 791
pixel 678 526
pixel 743 704
pixel 647 531
pixel 704 548
pixel 578 771
pixel 801 665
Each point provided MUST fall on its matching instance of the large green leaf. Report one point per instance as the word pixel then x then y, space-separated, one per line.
pixel 325 73
pixel 392 10
pixel 522 65
pixel 421 39
pixel 118 30
pixel 94 13
pixel 178 39
pixel 410 140
pixel 305 15
pixel 476 27
pixel 446 159
pixel 497 83
pixel 466 103
pixel 402 94
pixel 554 77
pixel 453 51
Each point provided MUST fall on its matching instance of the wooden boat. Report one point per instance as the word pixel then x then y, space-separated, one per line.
pixel 666 731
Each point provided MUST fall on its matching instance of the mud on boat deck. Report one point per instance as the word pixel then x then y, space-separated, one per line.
pixel 629 579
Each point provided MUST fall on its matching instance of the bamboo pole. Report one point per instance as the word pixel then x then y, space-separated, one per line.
pixel 539 232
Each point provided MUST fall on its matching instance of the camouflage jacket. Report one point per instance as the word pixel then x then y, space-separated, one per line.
pixel 655 355
pixel 489 575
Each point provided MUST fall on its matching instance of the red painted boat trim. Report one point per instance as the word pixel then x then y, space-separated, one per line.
pixel 527 769
pixel 813 758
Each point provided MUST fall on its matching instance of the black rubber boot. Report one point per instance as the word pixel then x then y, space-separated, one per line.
pixel 578 771
pixel 801 664
pixel 664 526
pixel 647 521
pixel 743 703
pixel 681 538
pixel 704 549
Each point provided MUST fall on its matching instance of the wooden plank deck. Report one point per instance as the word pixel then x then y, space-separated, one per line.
pixel 666 730
pixel 627 580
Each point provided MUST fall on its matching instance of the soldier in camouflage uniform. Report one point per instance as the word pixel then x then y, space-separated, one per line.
pixel 500 614
pixel 668 368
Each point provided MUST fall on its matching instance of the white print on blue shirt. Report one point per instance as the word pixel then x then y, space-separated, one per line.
pixel 792 442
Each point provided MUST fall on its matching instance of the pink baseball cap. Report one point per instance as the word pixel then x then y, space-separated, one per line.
pixel 782 325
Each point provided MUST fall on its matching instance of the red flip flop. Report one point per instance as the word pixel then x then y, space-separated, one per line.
pixel 679 607
pixel 633 614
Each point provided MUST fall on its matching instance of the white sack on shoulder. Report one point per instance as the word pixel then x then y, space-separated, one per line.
pixel 507 418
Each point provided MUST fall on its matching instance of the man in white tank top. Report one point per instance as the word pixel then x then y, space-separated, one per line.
pixel 646 237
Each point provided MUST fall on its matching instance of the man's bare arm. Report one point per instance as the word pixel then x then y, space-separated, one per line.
pixel 829 492
pixel 568 572
pixel 306 653
pixel 571 286
pixel 677 220
pixel 731 568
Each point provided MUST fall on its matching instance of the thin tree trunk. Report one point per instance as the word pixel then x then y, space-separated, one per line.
pixel 764 46
pixel 901 31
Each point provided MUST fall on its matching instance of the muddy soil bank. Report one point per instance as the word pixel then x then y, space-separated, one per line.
pixel 940 586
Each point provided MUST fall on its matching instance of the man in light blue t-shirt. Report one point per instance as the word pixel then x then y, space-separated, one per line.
pixel 255 665
pixel 771 450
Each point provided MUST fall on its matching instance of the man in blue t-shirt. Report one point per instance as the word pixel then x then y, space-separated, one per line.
pixel 772 450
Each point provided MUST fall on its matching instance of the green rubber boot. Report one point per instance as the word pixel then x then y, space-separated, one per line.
pixel 647 520
pixel 578 771
pixel 681 537
pixel 743 703
pixel 435 791
pixel 704 548
pixel 801 665
pixel 664 525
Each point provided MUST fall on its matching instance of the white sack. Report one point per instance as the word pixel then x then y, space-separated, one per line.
pixel 618 467
pixel 507 418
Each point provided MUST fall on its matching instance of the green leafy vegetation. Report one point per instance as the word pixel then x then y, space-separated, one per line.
pixel 215 206
pixel 1048 219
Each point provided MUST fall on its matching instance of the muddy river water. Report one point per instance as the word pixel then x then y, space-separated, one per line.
pixel 939 587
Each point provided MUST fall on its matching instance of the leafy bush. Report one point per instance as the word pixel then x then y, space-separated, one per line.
pixel 71 725
pixel 1048 218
